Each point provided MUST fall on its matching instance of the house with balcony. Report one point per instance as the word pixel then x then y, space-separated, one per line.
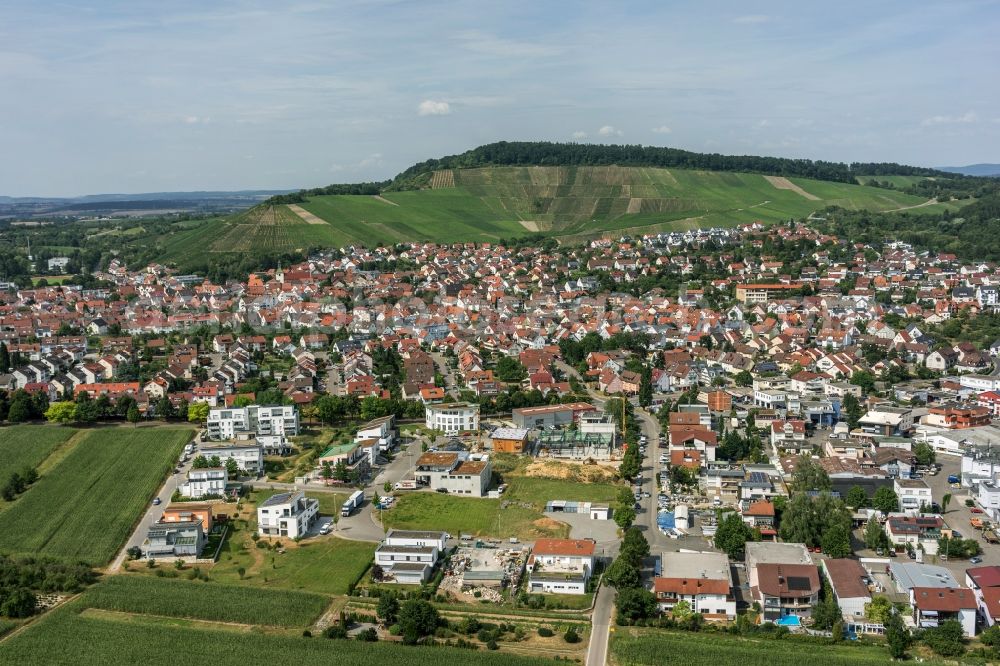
pixel 957 417
pixel 382 430
pixel 884 419
pixel 786 589
pixel 286 515
pixel 408 557
pixel 703 580
pixel 934 605
pixel 916 532
pixel 848 581
pixel 913 494
pixel 182 512
pixel 561 566
pixel 205 482
pixel 985 585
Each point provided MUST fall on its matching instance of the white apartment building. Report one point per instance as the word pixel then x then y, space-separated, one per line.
pixel 203 482
pixel 912 493
pixel 248 457
pixel 228 422
pixel 452 418
pixel 286 515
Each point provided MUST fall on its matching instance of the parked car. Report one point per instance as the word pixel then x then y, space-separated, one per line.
pixel 156 501
pixel 976 509
pixel 975 560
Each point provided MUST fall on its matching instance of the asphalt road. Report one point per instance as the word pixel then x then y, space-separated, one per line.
pixel 597 650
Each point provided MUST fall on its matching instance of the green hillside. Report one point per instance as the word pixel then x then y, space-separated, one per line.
pixel 491 203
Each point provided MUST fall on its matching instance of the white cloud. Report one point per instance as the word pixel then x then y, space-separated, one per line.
pixel 967 117
pixel 752 19
pixel 579 134
pixel 197 120
pixel 488 44
pixel 430 107
pixel 609 130
pixel 375 159
pixel 662 129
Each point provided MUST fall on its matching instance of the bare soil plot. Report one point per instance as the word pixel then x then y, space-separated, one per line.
pixel 379 197
pixel 530 225
pixel 782 183
pixel 308 217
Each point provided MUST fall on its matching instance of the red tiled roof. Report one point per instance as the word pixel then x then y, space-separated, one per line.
pixel 690 586
pixel 947 599
pixel 583 547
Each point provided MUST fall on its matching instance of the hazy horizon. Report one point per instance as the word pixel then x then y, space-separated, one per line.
pixel 148 97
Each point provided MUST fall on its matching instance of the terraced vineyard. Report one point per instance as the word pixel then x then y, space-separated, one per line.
pixel 570 203
pixel 87 505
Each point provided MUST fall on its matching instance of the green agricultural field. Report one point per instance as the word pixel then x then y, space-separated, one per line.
pixel 492 203
pixel 86 505
pixel 206 601
pixel 652 648
pixel 27 446
pixel 67 637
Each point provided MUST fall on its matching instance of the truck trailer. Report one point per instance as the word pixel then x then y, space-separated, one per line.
pixel 352 503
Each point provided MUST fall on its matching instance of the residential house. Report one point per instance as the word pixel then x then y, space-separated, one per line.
pixel 174 539
pixel 561 566
pixel 409 556
pixel 703 580
pixel 204 482
pixel 457 472
pixel 286 515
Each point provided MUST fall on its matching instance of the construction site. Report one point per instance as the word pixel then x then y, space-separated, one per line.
pixel 485 571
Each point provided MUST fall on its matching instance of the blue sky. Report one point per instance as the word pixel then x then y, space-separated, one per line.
pixel 147 96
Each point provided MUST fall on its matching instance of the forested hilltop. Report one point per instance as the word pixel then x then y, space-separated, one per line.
pixel 546 153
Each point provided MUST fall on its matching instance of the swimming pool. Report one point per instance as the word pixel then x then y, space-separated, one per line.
pixel 789 621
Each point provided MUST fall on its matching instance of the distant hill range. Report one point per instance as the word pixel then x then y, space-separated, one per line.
pixel 982 170
pixel 146 203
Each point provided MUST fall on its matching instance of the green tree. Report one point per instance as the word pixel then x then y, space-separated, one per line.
pixel 61 412
pixel 732 535
pixel 133 414
pixel 232 468
pixel 634 603
pixel 634 546
pixel 945 501
pixel 165 408
pixel 510 370
pixel 885 500
pixel 417 618
pixel 924 453
pixel 387 609
pixel 852 408
pixel 809 475
pixel 20 408
pixel 198 412
pixel 4 358
pixel 646 388
pixel 856 497
pixel 947 639
pixel 879 610
pixel 200 462
pixel 825 613
pixel 19 602
pixel 744 378
pixel 875 537
pixel 897 636
pixel 622 574
pixel 624 516
pixel 836 541
pixel 806 518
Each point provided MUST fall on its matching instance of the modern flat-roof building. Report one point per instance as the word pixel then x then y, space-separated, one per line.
pixel 174 539
pixel 248 457
pixel 229 422
pixel 207 481
pixel 452 418
pixel 550 415
pixel 409 556
pixel 286 515
pixel 457 472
